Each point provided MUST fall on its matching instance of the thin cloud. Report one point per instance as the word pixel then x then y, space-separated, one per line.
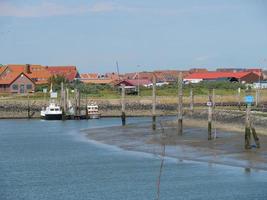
pixel 46 9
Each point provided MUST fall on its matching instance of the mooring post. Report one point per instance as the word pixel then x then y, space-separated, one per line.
pixel 154 103
pixel 29 108
pixel 180 104
pixel 123 115
pixel 213 98
pixel 247 127
pixel 239 98
pixel 62 101
pixel 86 107
pixel 191 101
pixel 75 103
pixel 210 106
pixel 79 104
pixel 257 99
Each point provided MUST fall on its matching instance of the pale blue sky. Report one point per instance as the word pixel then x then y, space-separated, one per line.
pixel 155 34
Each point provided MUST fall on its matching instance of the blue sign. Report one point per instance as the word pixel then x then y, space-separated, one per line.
pixel 249 99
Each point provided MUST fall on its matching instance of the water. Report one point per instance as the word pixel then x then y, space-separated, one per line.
pixel 49 160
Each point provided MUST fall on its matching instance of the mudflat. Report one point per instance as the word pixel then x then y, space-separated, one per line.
pixel 226 147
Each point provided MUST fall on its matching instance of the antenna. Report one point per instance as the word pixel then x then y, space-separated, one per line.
pixel 118 70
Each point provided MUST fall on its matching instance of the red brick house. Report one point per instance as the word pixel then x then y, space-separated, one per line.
pixel 16 82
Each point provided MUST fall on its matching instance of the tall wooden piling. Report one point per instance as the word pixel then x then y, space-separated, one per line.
pixel 154 103
pixel 257 99
pixel 28 108
pixel 123 115
pixel 239 98
pixel 191 101
pixel 180 104
pixel 79 103
pixel 213 98
pixel 210 108
pixel 247 128
pixel 75 102
pixel 62 101
pixel 86 107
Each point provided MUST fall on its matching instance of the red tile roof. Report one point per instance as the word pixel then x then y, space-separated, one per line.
pixel 70 72
pixel 216 75
pixel 89 76
pixel 11 77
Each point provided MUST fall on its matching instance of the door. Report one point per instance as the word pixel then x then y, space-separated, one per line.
pixel 22 89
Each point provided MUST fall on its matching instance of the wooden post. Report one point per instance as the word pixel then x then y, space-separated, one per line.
pixel 210 106
pixel 239 98
pixel 62 101
pixel 250 129
pixel 75 102
pixel 213 98
pixel 86 108
pixel 257 99
pixel 191 101
pixel 79 104
pixel 154 103
pixel 247 128
pixel 29 108
pixel 180 104
pixel 123 115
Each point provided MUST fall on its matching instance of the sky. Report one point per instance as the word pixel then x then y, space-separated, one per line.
pixel 141 35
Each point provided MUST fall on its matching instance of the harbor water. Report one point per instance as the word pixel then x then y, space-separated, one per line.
pixel 52 160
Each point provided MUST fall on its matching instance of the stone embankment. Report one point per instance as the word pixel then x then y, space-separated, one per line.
pixel 11 109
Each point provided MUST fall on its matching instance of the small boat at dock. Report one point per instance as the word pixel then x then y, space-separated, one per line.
pixel 93 112
pixel 51 112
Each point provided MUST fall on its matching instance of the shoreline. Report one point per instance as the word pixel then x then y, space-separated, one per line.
pixel 227 149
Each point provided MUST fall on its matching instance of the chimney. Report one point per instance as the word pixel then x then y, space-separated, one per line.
pixel 27 69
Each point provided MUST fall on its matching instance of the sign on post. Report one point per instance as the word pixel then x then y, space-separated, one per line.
pixel 53 95
pixel 249 99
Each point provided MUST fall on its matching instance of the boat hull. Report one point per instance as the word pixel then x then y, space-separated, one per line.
pixel 94 116
pixel 52 117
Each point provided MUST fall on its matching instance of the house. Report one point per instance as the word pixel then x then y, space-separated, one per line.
pixel 16 82
pixel 69 72
pixel 37 73
pixel 242 77
pixel 135 83
pixel 95 78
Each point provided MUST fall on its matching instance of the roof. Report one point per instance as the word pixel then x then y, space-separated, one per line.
pixel 135 82
pixel 11 77
pixel 97 81
pixel 70 72
pixel 216 75
pixel 89 76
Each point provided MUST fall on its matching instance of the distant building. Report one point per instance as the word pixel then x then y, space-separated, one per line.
pixel 242 77
pixel 95 78
pixel 17 82
pixel 69 72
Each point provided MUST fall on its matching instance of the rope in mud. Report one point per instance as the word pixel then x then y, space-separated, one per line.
pixel 162 161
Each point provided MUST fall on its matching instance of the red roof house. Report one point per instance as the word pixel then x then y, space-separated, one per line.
pixel 244 77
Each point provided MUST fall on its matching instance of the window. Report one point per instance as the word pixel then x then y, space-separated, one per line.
pixel 15 87
pixel 29 86
pixel 52 109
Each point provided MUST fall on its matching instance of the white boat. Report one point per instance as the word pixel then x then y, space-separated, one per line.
pixel 93 112
pixel 52 112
